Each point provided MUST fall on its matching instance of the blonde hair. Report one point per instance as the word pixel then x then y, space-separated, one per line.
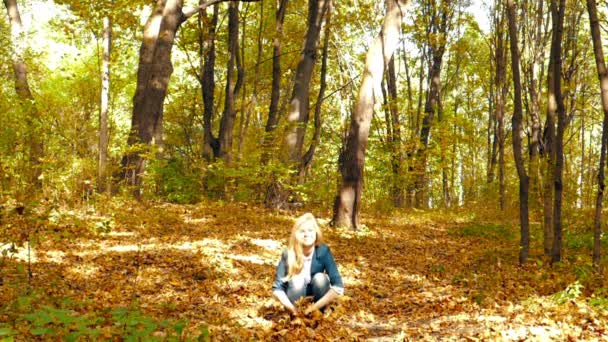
pixel 295 253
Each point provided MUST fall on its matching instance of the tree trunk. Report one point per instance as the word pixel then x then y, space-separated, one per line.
pixel 256 77
pixel 297 117
pixel 154 71
pixel 307 158
pixel 22 88
pixel 557 14
pixel 229 115
pixel 536 51
pixel 352 159
pixel 103 113
pixel 500 84
pixel 273 111
pixel 438 26
pixel 395 136
pixel 517 134
pixel 549 146
pixel 242 84
pixel 602 74
pixel 132 163
pixel 211 145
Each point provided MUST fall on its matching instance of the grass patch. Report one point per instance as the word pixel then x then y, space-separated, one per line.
pixel 486 231
pixel 582 240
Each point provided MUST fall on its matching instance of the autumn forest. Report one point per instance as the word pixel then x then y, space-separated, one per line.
pixel 155 153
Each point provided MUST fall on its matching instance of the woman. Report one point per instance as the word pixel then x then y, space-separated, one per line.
pixel 307 268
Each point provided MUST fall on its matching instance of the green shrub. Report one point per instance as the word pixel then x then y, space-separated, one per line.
pixel 175 182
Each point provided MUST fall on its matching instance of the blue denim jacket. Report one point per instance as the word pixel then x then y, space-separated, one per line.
pixel 322 261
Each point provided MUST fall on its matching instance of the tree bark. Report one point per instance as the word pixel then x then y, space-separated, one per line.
pixel 232 85
pixel 500 85
pixel 395 135
pixel 273 111
pixel 104 108
pixel 352 159
pixel 557 14
pixel 297 117
pixel 132 163
pixel 602 74
pixel 517 134
pixel 211 145
pixel 549 143
pixel 22 88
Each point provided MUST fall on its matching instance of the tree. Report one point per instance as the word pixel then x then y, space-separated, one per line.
pixel 352 159
pixel 211 145
pixel 154 71
pixel 500 99
pixel 298 114
pixel 439 25
pixel 516 123
pixel 557 15
pixel 22 87
pixel 233 84
pixel 105 101
pixel 273 111
pixel 602 75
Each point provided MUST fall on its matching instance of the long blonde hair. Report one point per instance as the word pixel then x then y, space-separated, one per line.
pixel 295 253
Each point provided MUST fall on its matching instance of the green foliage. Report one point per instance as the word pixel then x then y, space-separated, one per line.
pixel 64 322
pixel 486 231
pixel 599 299
pixel 174 181
pixel 582 240
pixel 570 293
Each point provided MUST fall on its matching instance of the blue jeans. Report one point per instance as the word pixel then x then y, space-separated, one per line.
pixel 318 287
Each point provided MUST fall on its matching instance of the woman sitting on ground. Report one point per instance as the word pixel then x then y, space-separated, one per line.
pixel 307 268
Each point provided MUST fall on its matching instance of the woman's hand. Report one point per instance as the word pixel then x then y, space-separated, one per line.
pixel 309 309
pixel 292 310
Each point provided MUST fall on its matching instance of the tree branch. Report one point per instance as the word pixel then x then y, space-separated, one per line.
pixel 189 13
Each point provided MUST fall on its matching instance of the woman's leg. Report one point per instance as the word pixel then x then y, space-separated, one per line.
pixel 320 285
pixel 296 289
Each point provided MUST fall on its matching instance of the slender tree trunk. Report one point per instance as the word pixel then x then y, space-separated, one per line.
pixel 243 84
pixel 229 115
pixel 534 78
pixel 254 95
pixel 602 73
pixel 297 117
pixel 395 135
pixel 104 110
pixel 517 134
pixel 273 111
pixel 352 159
pixel 307 158
pixel 438 26
pixel 500 84
pixel 549 145
pixel 557 14
pixel 22 88
pixel 211 145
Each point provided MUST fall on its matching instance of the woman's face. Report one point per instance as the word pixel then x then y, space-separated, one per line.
pixel 306 234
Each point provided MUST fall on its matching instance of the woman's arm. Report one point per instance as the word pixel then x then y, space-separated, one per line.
pixel 279 286
pixel 282 297
pixel 329 297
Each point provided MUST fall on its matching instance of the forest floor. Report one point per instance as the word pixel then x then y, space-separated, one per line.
pixel 169 271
